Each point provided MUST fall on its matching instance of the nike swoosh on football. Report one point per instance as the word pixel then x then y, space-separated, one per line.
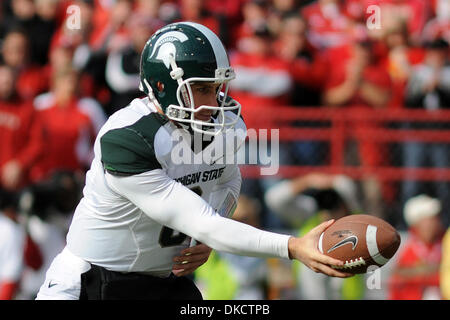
pixel 50 284
pixel 353 240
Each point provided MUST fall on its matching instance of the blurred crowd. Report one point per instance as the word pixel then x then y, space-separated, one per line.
pixel 66 65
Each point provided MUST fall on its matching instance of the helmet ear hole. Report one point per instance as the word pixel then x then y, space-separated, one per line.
pixel 160 86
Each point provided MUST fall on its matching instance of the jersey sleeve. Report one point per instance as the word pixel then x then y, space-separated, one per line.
pixel 175 206
pixel 130 150
pixel 124 152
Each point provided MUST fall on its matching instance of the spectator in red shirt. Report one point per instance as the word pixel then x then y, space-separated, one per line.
pixel 263 81
pixel 254 17
pixel 65 36
pixel 197 11
pixel 15 53
pixel 328 26
pixel 355 79
pixel 102 24
pixel 20 134
pixel 308 74
pixel 292 46
pixel 115 33
pixel 101 29
pixel 70 126
pixel 397 62
pixel 229 8
pixel 416 273
pixel 414 12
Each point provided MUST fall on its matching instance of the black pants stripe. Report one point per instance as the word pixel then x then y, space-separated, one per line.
pixel 101 284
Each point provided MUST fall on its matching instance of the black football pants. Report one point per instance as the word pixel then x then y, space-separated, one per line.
pixel 101 284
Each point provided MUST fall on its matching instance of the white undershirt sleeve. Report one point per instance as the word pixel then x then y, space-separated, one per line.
pixel 171 204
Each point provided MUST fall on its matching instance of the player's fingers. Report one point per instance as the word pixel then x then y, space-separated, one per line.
pixel 198 249
pixel 187 265
pixel 200 256
pixel 189 260
pixel 178 266
pixel 314 269
pixel 324 259
pixel 193 265
pixel 185 269
pixel 183 259
pixel 321 268
pixel 333 272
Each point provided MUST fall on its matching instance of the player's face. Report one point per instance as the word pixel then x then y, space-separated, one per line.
pixel 205 94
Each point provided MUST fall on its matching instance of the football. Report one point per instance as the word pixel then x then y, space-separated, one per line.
pixel 361 241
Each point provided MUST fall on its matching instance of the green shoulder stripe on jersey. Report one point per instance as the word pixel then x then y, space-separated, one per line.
pixel 129 150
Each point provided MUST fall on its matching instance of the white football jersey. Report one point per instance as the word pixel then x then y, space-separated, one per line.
pixel 146 196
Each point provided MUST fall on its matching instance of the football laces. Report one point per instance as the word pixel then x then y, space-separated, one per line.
pixel 351 263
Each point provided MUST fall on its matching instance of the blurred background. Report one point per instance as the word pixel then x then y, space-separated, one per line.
pixel 359 89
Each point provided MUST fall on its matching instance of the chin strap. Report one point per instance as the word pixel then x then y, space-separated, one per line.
pixel 151 95
pixel 177 74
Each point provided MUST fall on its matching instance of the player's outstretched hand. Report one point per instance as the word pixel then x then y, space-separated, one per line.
pixel 306 251
pixel 190 259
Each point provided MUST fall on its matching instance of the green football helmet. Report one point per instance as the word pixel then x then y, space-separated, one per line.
pixel 175 57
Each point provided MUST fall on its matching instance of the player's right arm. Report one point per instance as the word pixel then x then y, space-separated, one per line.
pixel 171 204
pixel 133 171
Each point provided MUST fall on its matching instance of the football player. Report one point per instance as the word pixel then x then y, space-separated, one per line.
pixel 146 218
